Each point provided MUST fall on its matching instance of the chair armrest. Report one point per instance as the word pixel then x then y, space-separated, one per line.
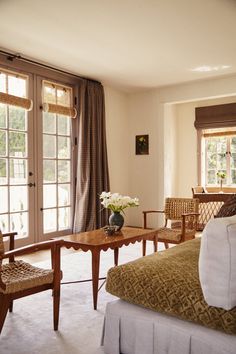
pixel 152 211
pixel 189 214
pixel 146 212
pixel 184 221
pixel 33 248
pixel 9 234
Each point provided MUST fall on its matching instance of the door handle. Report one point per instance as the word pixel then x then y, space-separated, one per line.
pixel 31 184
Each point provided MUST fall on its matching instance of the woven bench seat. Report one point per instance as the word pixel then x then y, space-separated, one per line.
pixel 20 276
pixel 168 234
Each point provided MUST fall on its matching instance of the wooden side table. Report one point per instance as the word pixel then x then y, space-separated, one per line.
pixel 97 241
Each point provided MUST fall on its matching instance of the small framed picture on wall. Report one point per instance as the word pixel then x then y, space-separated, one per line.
pixel 142 144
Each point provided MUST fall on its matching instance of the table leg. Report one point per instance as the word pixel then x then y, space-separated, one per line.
pixel 144 248
pixel 155 240
pixel 95 275
pixel 116 256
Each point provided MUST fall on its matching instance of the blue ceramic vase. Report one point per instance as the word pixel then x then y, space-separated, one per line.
pixel 116 219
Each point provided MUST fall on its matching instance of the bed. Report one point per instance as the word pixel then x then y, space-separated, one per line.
pixel 162 308
pixel 131 329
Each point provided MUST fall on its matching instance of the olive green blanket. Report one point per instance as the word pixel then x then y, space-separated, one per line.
pixel 168 282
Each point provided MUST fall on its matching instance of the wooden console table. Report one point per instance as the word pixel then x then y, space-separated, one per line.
pixel 209 205
pixel 97 241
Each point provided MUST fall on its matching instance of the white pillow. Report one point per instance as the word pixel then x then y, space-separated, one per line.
pixel 217 262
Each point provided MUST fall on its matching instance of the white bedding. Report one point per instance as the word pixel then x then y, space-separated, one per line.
pixel 130 329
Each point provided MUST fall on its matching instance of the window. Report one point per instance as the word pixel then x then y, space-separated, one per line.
pixel 219 155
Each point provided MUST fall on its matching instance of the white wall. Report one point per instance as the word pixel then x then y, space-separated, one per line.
pixel 117 140
pixel 142 113
pixel 148 113
pixel 171 158
pixel 186 146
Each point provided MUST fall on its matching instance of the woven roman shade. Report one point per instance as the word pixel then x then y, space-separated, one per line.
pixel 16 101
pixel 59 109
pixel 219 116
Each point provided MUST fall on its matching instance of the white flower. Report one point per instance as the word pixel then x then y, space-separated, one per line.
pixel 105 195
pixel 117 202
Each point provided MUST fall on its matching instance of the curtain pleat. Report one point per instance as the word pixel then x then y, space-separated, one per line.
pixel 92 163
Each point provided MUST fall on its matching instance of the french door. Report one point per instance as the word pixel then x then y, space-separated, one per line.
pixel 55 162
pixel 35 160
pixel 16 160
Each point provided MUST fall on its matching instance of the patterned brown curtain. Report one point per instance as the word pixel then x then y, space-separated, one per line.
pixel 92 164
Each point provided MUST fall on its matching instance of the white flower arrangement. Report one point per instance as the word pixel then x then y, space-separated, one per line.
pixel 116 202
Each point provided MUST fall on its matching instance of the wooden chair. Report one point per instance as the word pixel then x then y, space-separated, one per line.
pixel 19 279
pixel 182 215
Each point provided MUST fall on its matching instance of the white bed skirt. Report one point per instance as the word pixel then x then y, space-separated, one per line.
pixel 130 329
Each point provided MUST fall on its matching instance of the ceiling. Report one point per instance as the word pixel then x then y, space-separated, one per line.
pixel 129 44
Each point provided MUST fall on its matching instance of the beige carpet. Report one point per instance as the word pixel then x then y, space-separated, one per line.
pixel 28 330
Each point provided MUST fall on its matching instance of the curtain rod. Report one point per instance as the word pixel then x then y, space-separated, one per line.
pixel 11 57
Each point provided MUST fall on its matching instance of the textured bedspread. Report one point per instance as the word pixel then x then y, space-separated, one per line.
pixel 168 282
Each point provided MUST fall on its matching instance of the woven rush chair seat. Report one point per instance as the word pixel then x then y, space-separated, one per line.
pixel 168 234
pixel 20 276
pixel 182 215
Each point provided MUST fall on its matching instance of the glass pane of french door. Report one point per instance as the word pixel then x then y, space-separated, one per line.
pixel 16 197
pixel 56 166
